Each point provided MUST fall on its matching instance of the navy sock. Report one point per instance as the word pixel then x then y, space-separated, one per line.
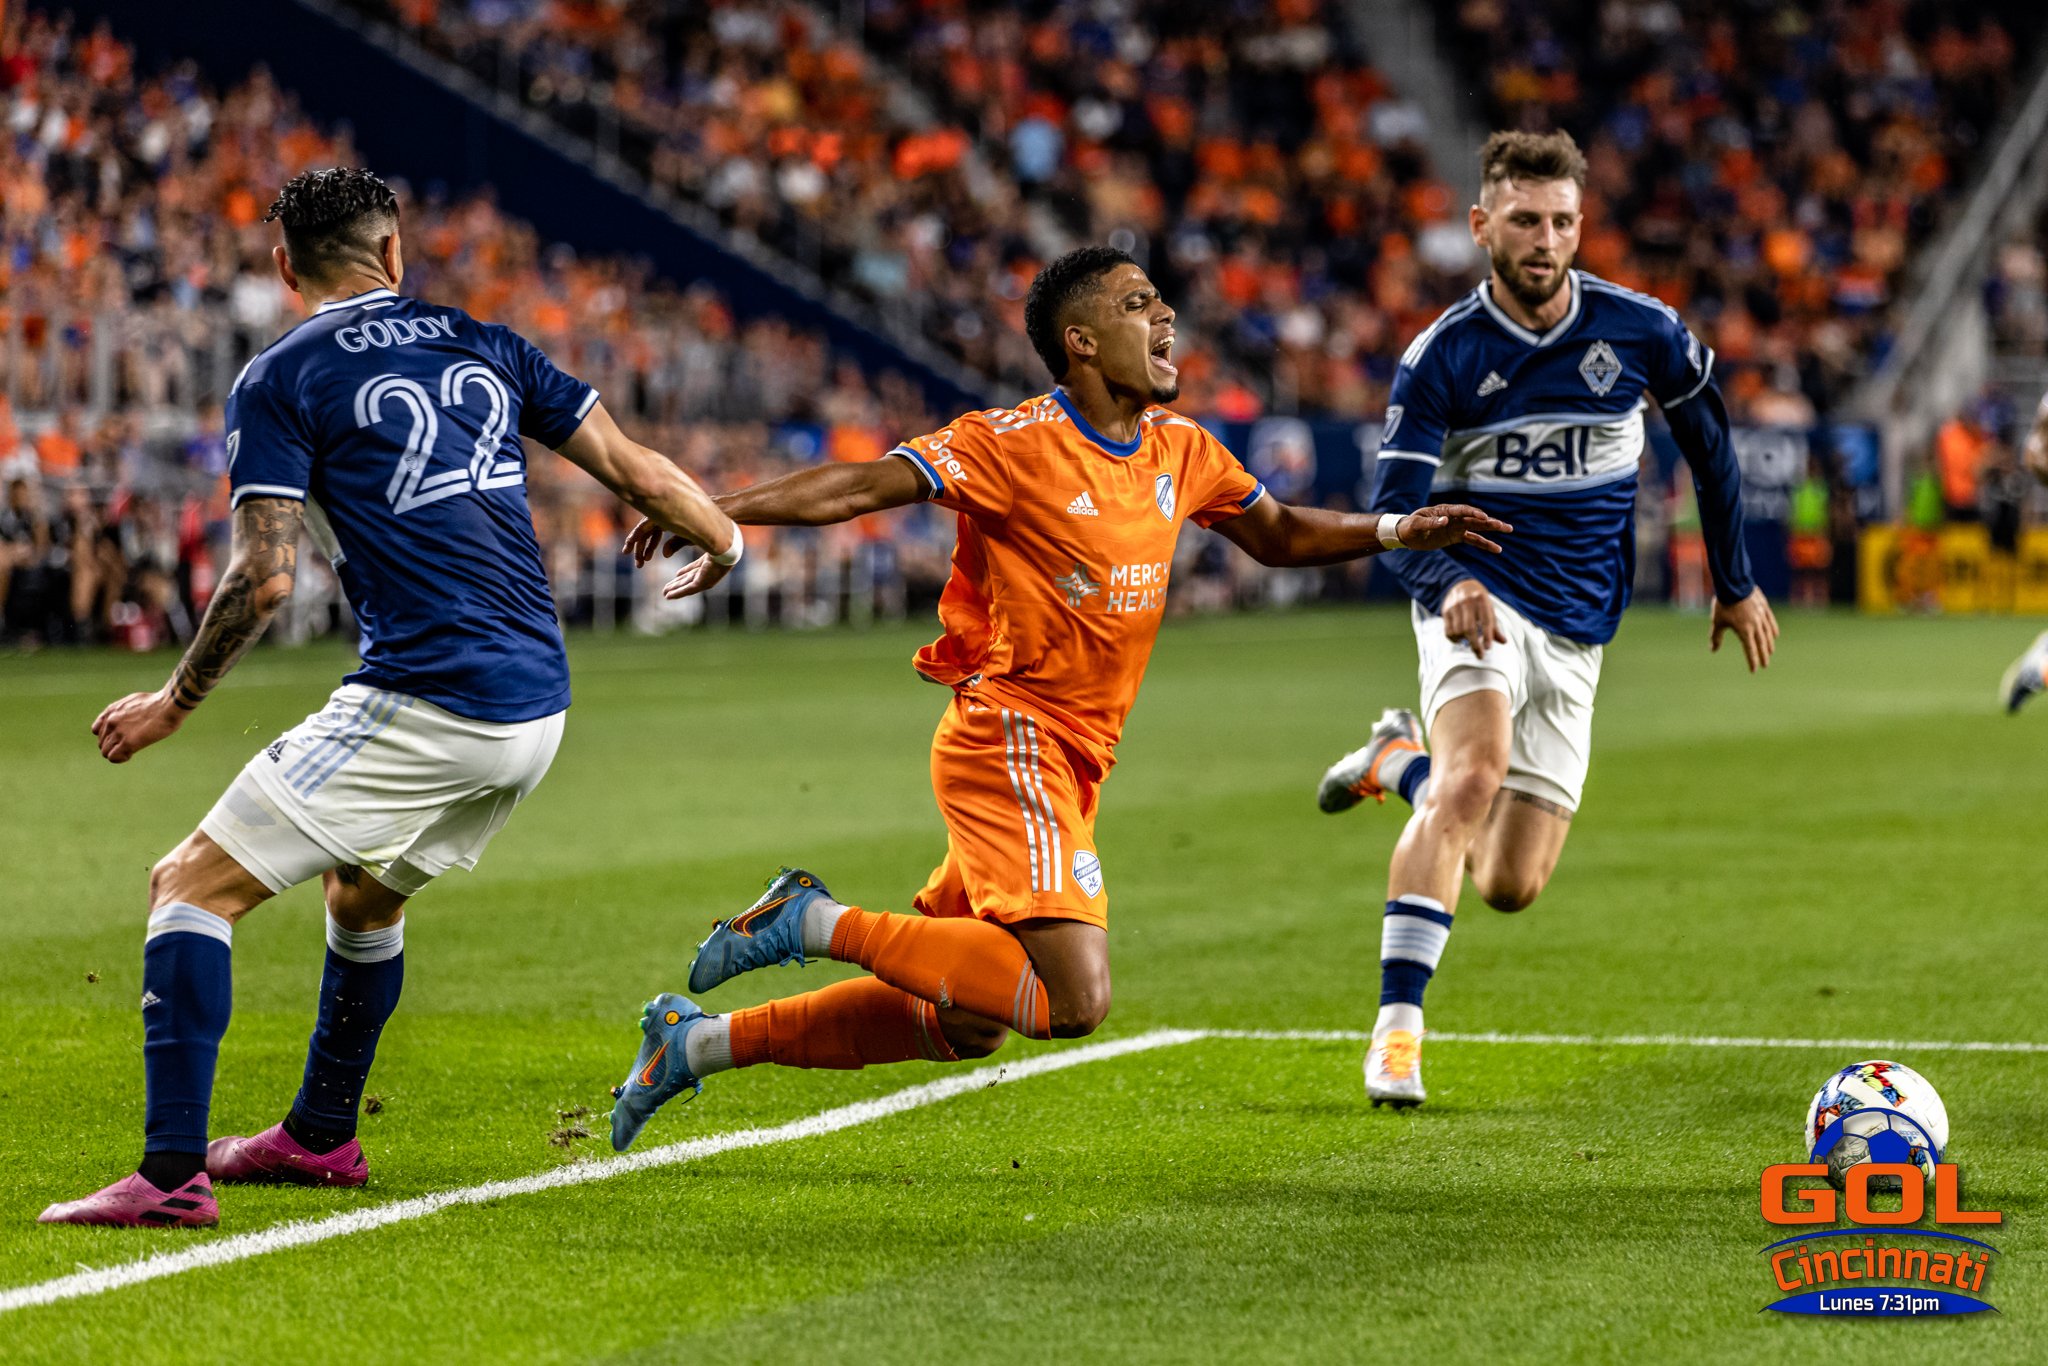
pixel 1403 982
pixel 1412 779
pixel 1412 938
pixel 359 989
pixel 187 997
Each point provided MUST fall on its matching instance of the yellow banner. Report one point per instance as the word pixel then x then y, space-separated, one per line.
pixel 1902 569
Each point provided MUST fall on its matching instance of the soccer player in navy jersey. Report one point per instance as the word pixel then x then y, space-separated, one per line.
pixel 389 428
pixel 1525 399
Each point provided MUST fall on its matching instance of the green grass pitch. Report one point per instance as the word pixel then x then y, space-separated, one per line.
pixel 1848 846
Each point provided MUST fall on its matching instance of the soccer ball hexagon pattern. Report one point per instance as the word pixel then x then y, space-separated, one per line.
pixel 1876 1111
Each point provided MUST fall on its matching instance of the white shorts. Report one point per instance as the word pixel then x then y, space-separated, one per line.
pixel 390 783
pixel 1549 681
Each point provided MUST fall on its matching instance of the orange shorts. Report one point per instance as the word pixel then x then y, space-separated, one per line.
pixel 1020 821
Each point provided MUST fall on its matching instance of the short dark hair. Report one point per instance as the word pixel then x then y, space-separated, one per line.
pixel 1057 288
pixel 333 218
pixel 1531 156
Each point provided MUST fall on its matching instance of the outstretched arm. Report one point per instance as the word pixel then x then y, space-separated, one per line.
pixel 1699 425
pixel 826 494
pixel 818 496
pixel 1277 533
pixel 651 484
pixel 258 582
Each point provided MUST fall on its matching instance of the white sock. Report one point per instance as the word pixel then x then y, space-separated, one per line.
pixel 1399 1015
pixel 366 946
pixel 1393 766
pixel 1414 930
pixel 708 1048
pixel 821 917
pixel 1422 791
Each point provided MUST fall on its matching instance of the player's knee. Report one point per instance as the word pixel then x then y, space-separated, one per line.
pixel 1079 1011
pixel 973 1038
pixel 170 880
pixel 1464 795
pixel 1511 893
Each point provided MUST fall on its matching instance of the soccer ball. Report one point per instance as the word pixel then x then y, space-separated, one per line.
pixel 1876 1112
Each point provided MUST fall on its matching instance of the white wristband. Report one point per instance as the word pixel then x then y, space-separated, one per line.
pixel 733 552
pixel 1390 530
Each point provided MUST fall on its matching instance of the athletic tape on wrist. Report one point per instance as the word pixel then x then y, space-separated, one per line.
pixel 1390 530
pixel 733 552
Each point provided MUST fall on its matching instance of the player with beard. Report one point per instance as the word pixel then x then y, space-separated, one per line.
pixel 1069 508
pixel 1525 398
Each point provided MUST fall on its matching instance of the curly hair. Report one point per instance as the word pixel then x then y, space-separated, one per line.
pixel 1512 156
pixel 1054 290
pixel 333 218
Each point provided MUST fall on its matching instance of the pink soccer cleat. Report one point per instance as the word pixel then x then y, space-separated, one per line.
pixel 133 1202
pixel 275 1155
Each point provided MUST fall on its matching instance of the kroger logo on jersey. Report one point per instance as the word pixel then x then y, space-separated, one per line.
pixel 1565 449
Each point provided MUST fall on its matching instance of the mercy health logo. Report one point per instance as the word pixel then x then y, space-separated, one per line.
pixel 1878 1267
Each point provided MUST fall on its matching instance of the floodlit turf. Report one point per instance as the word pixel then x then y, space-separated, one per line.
pixel 1849 846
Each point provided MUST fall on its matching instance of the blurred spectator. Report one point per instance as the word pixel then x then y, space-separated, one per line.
pixel 1767 165
pixel 1959 447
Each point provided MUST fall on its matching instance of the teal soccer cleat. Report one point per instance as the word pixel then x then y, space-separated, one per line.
pixel 768 932
pixel 660 1072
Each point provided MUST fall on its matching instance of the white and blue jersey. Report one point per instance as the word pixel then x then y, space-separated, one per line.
pixel 1546 433
pixel 397 423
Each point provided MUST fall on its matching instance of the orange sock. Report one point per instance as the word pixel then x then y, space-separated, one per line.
pixel 845 1025
pixel 972 964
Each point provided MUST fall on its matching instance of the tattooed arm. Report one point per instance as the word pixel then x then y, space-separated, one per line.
pixel 258 582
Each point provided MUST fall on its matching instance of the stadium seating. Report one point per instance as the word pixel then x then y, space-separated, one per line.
pixel 1774 187
pixel 1771 179
pixel 137 281
pixel 1294 221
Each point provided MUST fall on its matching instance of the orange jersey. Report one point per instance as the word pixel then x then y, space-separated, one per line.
pixel 1065 544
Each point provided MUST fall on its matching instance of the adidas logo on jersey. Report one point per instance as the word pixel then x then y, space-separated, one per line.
pixel 150 998
pixel 1084 506
pixel 1492 384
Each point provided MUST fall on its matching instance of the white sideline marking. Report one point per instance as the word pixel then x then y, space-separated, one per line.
pixel 299 1233
pixel 1643 1040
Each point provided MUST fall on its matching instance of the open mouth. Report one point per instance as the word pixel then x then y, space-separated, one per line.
pixel 1162 354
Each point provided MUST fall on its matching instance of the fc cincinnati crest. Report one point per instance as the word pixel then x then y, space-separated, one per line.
pixel 1162 494
pixel 1600 367
pixel 1088 872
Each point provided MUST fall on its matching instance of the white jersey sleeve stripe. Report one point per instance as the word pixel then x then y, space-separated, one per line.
pixel 1706 373
pixel 264 491
pixel 1411 455
pixel 1413 355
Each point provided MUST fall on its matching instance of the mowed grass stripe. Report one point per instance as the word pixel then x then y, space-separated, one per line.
pixel 301 1233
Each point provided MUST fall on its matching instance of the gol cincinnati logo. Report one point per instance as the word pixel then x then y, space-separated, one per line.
pixel 1878 1266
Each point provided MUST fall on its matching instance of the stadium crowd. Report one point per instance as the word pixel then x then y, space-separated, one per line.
pixel 136 277
pixel 1295 219
pixel 1767 168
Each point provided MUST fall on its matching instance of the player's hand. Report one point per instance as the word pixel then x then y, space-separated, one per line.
pixel 700 575
pixel 1753 623
pixel 134 723
pixel 643 540
pixel 1468 616
pixel 1449 524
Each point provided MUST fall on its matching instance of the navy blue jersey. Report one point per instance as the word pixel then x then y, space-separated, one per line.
pixel 397 422
pixel 1546 432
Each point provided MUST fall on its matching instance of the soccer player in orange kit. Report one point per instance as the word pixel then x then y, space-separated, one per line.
pixel 1070 505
